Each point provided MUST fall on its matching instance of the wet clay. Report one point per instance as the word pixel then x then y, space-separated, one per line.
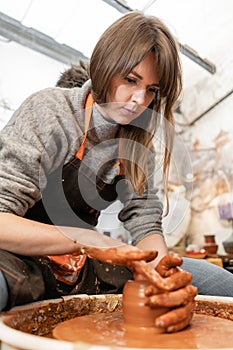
pixel 135 312
pixel 134 327
pixel 107 329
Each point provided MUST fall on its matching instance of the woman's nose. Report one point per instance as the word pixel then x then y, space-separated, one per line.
pixel 139 97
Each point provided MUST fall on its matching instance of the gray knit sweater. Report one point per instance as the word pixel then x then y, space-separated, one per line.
pixel 45 132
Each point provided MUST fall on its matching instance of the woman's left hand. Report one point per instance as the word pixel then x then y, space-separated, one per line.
pixel 179 299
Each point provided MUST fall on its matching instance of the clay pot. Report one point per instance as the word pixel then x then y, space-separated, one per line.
pixel 135 312
pixel 210 245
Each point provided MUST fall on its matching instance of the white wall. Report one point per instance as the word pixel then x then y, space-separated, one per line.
pixel 23 71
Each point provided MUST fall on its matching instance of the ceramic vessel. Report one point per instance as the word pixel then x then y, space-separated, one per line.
pixel 136 313
pixel 210 245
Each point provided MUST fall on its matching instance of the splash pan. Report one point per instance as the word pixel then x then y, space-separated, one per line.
pixel 31 327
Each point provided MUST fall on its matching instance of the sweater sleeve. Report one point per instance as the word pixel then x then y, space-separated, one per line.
pixel 32 145
pixel 142 215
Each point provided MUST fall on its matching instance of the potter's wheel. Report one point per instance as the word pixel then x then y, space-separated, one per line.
pixel 30 327
pixel 133 327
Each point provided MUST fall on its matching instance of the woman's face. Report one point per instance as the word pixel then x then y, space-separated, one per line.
pixel 131 95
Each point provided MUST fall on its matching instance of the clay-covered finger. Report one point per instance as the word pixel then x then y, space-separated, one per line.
pixel 145 271
pixel 171 299
pixel 178 280
pixel 168 264
pixel 146 255
pixel 119 256
pixel 171 319
pixel 181 325
pixel 116 256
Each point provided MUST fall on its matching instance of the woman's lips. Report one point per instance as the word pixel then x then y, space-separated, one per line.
pixel 128 111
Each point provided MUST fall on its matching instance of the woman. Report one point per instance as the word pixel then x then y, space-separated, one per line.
pixel 68 153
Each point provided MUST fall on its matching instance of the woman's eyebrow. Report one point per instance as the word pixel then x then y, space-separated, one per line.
pixel 141 78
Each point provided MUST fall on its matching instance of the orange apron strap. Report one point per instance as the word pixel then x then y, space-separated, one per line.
pixel 88 111
pixel 119 162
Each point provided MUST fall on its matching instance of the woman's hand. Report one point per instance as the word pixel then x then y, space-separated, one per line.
pixel 121 255
pixel 179 297
pixel 175 289
pixel 129 256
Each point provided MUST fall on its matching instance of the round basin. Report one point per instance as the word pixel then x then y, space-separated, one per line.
pixel 30 327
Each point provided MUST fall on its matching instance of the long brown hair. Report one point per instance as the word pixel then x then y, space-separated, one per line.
pixel 120 48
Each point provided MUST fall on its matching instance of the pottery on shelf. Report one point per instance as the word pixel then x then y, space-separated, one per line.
pixel 210 245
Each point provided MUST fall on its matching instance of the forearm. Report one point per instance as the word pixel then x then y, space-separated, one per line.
pixel 27 237
pixel 154 242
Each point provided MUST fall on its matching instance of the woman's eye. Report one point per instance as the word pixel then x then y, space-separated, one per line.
pixel 154 90
pixel 130 80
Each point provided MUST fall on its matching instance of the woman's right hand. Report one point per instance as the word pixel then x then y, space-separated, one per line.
pixel 138 259
pixel 124 254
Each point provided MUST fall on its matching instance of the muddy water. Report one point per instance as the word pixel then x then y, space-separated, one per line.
pixel 108 329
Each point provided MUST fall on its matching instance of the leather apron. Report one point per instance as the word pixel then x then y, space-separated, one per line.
pixel 32 278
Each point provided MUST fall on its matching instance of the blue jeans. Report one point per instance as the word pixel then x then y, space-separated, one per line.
pixel 3 292
pixel 210 279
